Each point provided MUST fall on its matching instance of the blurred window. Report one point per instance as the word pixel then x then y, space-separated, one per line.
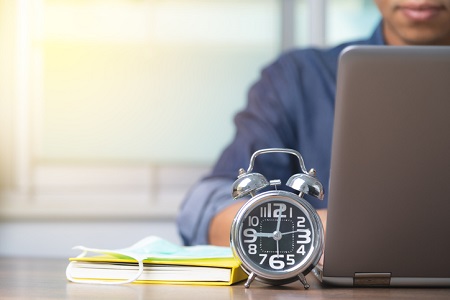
pixel 350 20
pixel 154 81
pixel 129 102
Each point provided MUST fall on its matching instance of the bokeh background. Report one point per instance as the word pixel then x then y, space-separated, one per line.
pixel 111 109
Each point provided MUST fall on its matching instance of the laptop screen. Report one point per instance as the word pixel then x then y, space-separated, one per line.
pixel 389 194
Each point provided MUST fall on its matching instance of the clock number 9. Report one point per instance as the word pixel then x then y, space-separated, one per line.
pixel 250 233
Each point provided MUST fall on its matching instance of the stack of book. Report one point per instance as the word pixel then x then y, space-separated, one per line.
pixel 172 264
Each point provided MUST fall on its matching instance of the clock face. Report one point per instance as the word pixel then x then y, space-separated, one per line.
pixel 276 235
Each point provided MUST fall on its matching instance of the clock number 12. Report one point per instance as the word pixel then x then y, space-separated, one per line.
pixel 274 210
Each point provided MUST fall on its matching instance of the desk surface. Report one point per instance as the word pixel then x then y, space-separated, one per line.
pixel 45 279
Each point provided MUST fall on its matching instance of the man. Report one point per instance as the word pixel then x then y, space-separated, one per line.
pixel 292 106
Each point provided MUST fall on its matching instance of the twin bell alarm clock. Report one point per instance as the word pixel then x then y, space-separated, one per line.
pixel 277 235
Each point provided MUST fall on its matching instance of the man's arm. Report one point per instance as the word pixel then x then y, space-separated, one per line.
pixel 219 229
pixel 206 199
pixel 323 216
pixel 275 104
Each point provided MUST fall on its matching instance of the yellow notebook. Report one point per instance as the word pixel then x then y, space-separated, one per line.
pixel 214 271
pixel 154 260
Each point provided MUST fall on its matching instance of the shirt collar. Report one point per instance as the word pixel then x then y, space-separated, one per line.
pixel 377 37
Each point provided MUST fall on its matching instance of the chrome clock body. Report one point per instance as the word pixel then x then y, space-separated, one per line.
pixel 277 235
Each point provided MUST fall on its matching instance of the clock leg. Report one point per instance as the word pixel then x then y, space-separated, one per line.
pixel 302 279
pixel 250 280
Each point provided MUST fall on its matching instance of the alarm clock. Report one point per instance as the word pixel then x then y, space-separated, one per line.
pixel 277 235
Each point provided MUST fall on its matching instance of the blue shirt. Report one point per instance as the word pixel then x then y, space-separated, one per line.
pixel 291 106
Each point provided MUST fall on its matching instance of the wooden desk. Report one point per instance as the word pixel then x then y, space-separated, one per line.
pixel 45 279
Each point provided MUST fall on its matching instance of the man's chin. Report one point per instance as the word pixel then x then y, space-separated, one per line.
pixel 426 36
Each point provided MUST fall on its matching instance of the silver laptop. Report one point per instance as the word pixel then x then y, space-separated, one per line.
pixel 389 195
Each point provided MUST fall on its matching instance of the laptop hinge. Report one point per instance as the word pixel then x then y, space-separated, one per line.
pixel 372 279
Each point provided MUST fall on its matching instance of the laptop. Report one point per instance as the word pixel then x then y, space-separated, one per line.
pixel 389 195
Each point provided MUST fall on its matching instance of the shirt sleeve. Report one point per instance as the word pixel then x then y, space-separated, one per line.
pixel 201 204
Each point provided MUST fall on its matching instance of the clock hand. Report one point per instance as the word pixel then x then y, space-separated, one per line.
pixel 283 233
pixel 279 220
pixel 298 230
pixel 277 233
pixel 263 234
pixel 278 250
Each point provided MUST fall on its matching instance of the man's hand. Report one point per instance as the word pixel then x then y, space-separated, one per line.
pixel 323 216
pixel 219 229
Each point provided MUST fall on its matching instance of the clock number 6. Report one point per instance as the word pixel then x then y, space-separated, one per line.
pixel 275 263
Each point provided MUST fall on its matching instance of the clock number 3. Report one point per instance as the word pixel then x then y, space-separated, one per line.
pixel 303 235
